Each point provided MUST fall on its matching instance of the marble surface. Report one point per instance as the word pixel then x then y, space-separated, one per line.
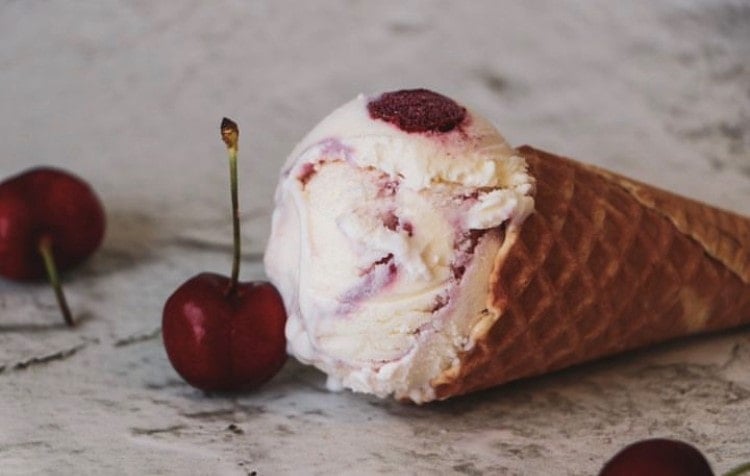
pixel 129 95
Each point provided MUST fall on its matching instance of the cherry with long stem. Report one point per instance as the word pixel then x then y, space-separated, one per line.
pixel 222 334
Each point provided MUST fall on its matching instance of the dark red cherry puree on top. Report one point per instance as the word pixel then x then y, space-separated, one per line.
pixel 417 110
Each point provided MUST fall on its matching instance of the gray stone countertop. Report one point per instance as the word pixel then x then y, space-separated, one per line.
pixel 128 94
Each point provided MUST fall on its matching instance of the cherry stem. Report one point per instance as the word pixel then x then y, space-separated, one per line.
pixel 230 135
pixel 742 469
pixel 45 249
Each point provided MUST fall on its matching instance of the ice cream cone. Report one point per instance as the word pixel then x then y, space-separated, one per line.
pixel 421 256
pixel 604 265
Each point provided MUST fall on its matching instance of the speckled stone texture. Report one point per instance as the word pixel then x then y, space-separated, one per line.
pixel 130 94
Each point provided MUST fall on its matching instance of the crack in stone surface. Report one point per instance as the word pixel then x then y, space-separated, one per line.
pixel 25 445
pixel 47 358
pixel 173 429
pixel 137 338
pixel 211 414
pixel 219 413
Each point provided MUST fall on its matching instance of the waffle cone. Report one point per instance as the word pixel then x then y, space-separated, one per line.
pixel 605 264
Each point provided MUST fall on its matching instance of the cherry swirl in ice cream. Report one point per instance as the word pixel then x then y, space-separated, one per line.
pixel 389 215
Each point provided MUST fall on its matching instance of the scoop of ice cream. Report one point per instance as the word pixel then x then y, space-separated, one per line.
pixel 389 215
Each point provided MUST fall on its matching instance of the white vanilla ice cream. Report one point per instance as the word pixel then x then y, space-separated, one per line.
pixel 385 232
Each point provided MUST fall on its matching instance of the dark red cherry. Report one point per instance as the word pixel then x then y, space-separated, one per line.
pixel 47 204
pixel 658 457
pixel 220 340
pixel 221 334
pixel 50 221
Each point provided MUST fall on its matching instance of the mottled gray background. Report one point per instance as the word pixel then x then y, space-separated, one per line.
pixel 129 95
